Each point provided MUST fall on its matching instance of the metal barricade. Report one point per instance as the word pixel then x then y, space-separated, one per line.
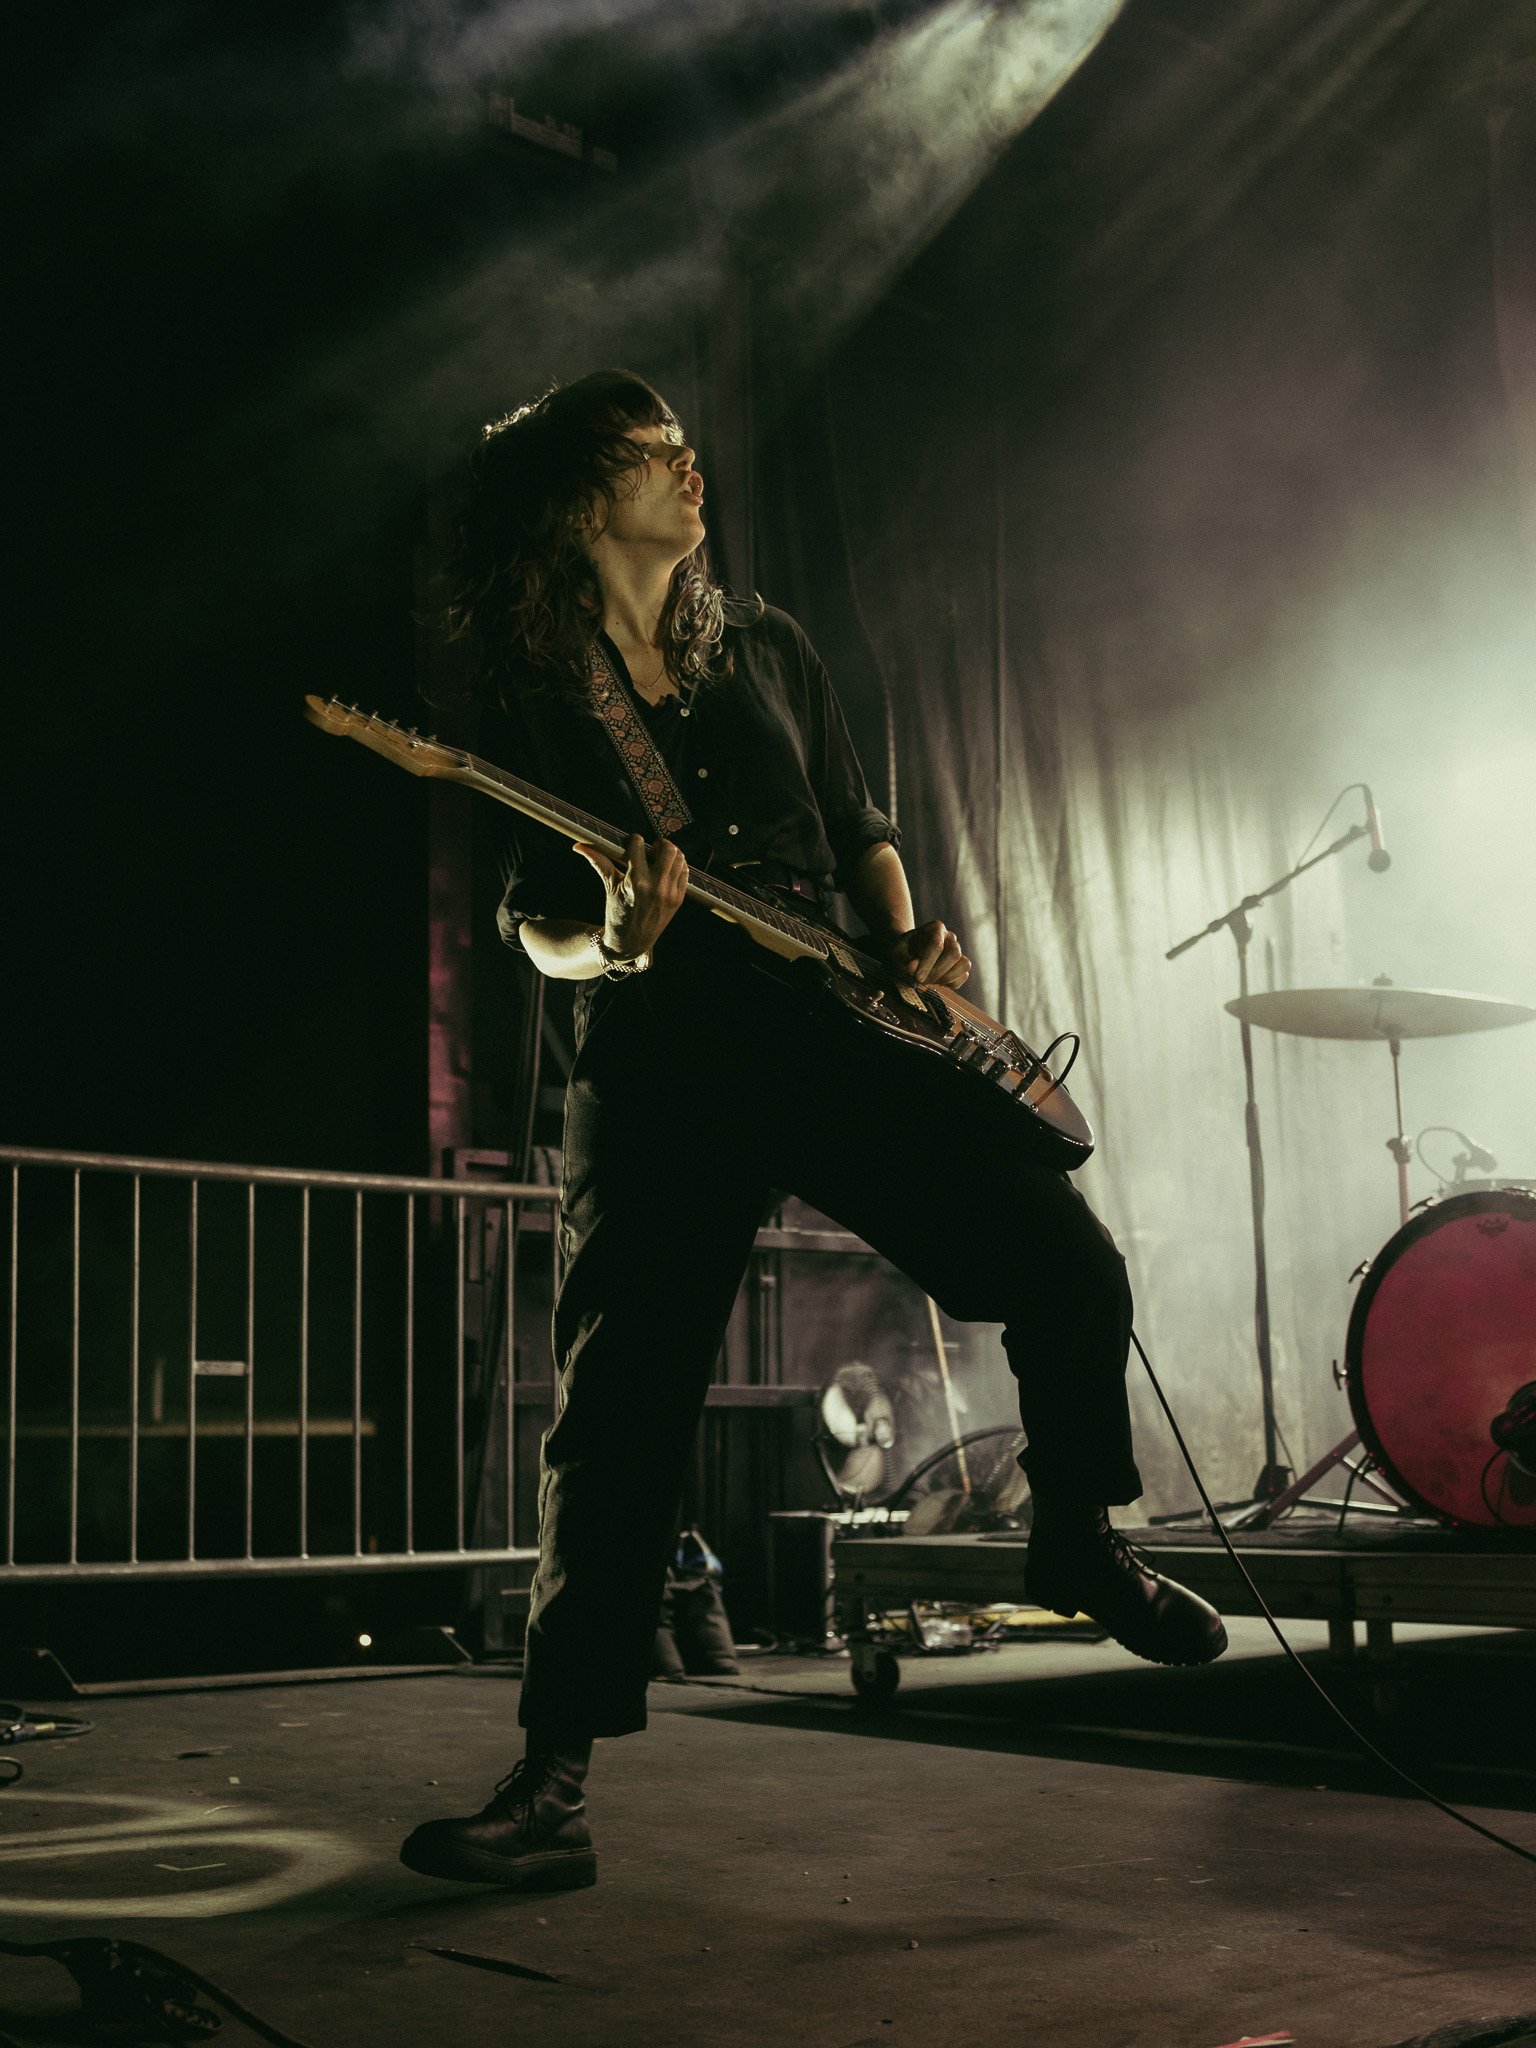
pixel 220 1370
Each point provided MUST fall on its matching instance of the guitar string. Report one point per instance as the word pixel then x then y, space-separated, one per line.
pixel 708 885
pixel 715 888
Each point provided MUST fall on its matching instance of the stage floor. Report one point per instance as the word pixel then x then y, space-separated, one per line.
pixel 1048 1845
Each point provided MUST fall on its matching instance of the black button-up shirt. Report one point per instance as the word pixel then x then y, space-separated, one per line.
pixel 762 758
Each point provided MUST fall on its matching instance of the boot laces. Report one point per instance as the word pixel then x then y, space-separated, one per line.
pixel 1121 1553
pixel 1099 1528
pixel 522 1785
pixel 1126 1554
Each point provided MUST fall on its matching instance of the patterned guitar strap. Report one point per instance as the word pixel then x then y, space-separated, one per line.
pixel 659 795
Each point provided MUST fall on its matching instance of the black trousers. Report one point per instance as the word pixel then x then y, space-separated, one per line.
pixel 700 1087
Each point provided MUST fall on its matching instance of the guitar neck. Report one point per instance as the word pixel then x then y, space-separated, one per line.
pixel 795 937
pixel 949 1022
pixel 779 930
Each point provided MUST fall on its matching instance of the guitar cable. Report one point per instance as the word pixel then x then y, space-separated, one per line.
pixel 1045 1060
pixel 1365 1742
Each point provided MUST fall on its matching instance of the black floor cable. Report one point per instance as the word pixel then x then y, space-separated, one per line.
pixel 17 1725
pixel 128 1985
pixel 1365 1742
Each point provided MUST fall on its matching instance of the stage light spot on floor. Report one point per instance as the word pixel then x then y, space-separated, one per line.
pixel 270 1864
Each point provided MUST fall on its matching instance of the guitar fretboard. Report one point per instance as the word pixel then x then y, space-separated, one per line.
pixel 966 1034
pixel 706 888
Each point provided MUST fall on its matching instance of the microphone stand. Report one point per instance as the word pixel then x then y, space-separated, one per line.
pixel 1274 1479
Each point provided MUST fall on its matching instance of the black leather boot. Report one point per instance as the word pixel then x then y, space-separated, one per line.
pixel 1079 1563
pixel 531 1835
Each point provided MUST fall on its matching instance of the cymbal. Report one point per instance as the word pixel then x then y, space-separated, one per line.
pixel 1386 1012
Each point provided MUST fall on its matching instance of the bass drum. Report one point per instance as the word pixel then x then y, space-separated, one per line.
pixel 1443 1333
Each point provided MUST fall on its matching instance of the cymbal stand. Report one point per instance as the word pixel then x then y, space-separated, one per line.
pixel 1398 1145
pixel 1264 1510
pixel 1274 1480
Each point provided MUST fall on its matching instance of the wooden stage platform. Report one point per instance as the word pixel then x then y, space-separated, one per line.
pixel 1375 1573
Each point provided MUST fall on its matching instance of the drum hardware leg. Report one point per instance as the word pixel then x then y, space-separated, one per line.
pixel 1365 1475
pixel 1263 1512
pixel 1354 1507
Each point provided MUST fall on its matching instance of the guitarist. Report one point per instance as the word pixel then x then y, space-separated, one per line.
pixel 616 673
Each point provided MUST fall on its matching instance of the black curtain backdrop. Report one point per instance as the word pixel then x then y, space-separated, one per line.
pixel 1153 549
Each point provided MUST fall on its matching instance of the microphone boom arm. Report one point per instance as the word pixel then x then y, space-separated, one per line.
pixel 1228 918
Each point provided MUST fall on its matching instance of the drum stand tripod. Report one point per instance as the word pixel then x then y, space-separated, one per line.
pixel 1262 1511
pixel 1275 1490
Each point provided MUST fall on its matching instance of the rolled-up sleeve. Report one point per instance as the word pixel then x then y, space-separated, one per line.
pixel 543 876
pixel 852 822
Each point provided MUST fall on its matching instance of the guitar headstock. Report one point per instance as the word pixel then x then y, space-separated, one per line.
pixel 418 754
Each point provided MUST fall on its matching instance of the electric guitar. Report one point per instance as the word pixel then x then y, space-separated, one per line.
pixel 937 1019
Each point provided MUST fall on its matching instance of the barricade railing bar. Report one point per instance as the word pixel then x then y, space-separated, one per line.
pixel 373 1418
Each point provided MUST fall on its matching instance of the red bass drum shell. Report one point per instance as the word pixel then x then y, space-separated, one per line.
pixel 1443 1332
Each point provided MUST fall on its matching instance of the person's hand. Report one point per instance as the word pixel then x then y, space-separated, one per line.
pixel 930 953
pixel 643 894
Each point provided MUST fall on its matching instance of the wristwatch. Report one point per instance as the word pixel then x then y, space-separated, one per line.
pixel 615 965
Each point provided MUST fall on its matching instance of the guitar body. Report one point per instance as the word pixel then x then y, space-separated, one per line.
pixel 941 1022
pixel 938 1020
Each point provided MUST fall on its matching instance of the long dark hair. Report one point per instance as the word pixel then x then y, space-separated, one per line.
pixel 520 585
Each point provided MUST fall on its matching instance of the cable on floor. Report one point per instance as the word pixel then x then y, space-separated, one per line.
pixel 17 1725
pixel 1365 1742
pixel 127 1985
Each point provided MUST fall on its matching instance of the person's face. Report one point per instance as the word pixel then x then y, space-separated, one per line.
pixel 657 504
